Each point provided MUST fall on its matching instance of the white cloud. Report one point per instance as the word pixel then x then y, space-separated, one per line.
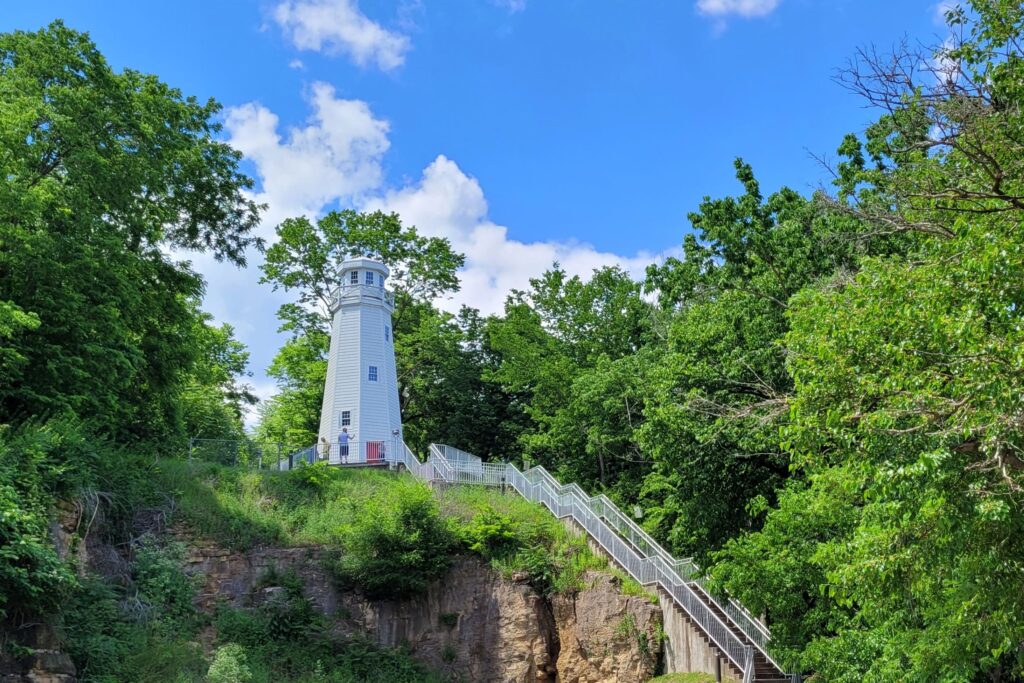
pixel 336 156
pixel 296 64
pixel 742 8
pixel 336 159
pixel 337 26
pixel 446 202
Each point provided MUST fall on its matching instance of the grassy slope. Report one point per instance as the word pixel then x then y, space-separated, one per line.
pixel 684 678
pixel 241 508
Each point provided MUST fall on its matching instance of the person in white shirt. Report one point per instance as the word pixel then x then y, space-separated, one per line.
pixel 343 440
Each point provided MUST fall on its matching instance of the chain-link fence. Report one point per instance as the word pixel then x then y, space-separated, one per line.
pixel 253 454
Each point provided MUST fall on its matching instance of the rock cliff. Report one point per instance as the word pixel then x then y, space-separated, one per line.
pixel 473 625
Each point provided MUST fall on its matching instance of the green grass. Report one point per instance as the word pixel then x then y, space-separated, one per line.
pixel 320 505
pixel 542 539
pixel 684 678
pixel 242 508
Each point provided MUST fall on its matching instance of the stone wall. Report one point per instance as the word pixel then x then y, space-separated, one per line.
pixel 687 648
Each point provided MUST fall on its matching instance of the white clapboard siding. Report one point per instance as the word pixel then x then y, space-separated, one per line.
pixel 361 337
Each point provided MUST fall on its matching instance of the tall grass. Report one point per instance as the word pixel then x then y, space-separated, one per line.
pixel 322 505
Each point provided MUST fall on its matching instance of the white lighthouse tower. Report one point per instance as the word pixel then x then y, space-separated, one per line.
pixel 361 392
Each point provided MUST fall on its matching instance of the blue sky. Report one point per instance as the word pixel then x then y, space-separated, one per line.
pixel 524 130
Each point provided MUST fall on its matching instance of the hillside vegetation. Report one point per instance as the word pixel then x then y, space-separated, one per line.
pixel 819 398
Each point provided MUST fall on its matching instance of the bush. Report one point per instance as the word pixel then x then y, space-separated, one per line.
pixel 312 478
pixel 108 645
pixel 163 588
pixel 33 470
pixel 285 639
pixel 229 665
pixel 490 534
pixel 396 543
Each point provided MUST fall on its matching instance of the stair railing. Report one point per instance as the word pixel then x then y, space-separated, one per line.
pixel 623 539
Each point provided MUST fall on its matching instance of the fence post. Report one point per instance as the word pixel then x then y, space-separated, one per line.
pixel 191 445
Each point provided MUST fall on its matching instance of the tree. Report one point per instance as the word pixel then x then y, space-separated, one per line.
pixel 306 258
pixel 102 172
pixel 442 363
pixel 563 346
pixel 907 385
pixel 213 399
pixel 718 397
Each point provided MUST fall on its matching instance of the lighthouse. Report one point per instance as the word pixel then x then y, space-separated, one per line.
pixel 361 392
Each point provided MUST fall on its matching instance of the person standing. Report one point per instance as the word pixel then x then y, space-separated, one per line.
pixel 343 440
pixel 325 448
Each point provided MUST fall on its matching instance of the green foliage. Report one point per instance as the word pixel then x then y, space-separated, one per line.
pixel 717 398
pixel 163 590
pixel 519 537
pixel 899 559
pixel 566 353
pixel 103 172
pixel 490 534
pixel 684 678
pixel 115 635
pixel 141 632
pixel 397 546
pixel 292 416
pixel 286 639
pixel 229 665
pixel 392 538
pixel 312 479
pixel 442 363
pixel 33 579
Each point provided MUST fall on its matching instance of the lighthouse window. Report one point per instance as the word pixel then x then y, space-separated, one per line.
pixel 387 333
pixel 369 277
pixel 373 373
pixel 346 418
pixel 354 277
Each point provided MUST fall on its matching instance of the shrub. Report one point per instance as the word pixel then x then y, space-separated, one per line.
pixel 163 587
pixel 397 543
pixel 33 579
pixel 490 534
pixel 109 647
pixel 285 639
pixel 229 665
pixel 312 478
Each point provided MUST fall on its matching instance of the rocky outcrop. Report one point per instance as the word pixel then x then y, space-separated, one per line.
pixel 235 577
pixel 472 625
pixel 43 661
pixel 605 635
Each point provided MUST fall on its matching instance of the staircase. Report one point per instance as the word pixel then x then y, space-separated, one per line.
pixel 741 639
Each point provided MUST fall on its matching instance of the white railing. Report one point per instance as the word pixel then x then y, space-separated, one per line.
pixel 626 543
pixel 349 291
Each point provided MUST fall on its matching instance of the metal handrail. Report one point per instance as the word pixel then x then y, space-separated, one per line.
pixel 658 567
pixel 626 543
pixel 685 568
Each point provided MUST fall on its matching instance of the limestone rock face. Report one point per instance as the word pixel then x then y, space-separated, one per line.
pixel 605 635
pixel 236 577
pixel 472 625
pixel 45 664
